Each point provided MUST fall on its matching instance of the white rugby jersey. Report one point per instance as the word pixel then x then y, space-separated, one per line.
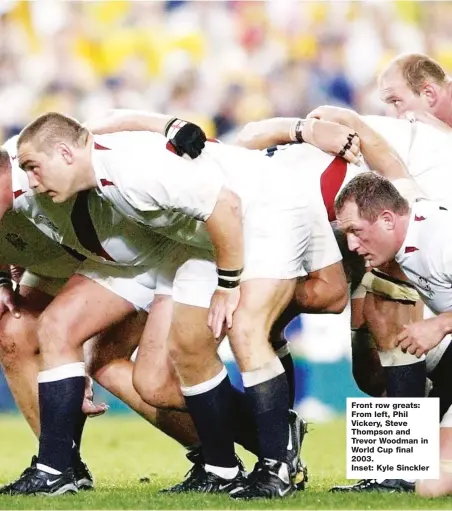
pixel 144 179
pixel 426 254
pixel 324 175
pixel 108 236
pixel 426 151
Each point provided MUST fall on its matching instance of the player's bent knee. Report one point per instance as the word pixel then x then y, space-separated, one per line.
pixel 162 394
pixel 16 338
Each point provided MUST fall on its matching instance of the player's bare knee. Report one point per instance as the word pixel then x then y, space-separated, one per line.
pixel 248 334
pixel 15 342
pixel 157 394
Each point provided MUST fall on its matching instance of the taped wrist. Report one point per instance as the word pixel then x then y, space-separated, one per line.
pixel 229 279
pixel 296 131
pixel 173 126
pixel 391 288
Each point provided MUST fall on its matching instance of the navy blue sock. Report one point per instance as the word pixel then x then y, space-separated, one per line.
pixel 211 410
pixel 244 423
pixel 78 432
pixel 60 403
pixel 269 402
pixel 281 348
pixel 406 381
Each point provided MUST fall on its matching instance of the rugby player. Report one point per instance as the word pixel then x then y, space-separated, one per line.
pixel 116 375
pixel 323 290
pixel 156 389
pixel 203 194
pixel 416 83
pixel 387 228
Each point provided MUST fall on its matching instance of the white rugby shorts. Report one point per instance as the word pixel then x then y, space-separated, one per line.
pixel 323 249
pixel 50 276
pixel 135 284
pixel 193 283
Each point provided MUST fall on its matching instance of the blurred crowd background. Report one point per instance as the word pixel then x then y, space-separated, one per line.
pixel 220 64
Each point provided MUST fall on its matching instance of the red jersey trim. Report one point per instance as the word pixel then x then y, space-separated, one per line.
pixel 330 183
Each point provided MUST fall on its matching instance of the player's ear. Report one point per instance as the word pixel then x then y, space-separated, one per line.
pixel 388 219
pixel 430 92
pixel 65 152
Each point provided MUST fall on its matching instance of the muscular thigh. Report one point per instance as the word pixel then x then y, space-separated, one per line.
pixel 261 303
pixel 84 308
pixel 264 299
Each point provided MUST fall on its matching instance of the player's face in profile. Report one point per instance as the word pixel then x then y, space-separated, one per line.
pixel 372 240
pixel 398 97
pixel 47 172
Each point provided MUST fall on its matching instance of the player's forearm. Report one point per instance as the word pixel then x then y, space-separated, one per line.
pixel 129 120
pixel 225 228
pixel 263 134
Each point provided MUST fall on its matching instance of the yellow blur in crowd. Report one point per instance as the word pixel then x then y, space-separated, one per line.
pixel 220 64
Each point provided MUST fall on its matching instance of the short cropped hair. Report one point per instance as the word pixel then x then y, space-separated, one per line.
pixel 372 194
pixel 51 128
pixel 417 69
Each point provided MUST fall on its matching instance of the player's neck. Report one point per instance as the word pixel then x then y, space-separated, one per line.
pixel 401 229
pixel 86 178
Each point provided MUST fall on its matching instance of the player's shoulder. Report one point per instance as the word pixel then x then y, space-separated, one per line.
pixel 121 139
pixel 382 122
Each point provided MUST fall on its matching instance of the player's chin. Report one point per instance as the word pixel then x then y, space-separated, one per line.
pixel 58 198
pixel 375 262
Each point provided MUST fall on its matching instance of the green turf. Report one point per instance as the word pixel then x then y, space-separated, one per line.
pixel 122 449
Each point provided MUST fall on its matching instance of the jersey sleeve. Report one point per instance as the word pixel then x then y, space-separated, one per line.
pixel 440 254
pixel 157 178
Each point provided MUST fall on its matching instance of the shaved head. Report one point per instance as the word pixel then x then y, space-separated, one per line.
pixel 48 129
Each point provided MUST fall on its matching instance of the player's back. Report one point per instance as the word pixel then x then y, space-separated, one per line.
pixel 323 174
pixel 138 172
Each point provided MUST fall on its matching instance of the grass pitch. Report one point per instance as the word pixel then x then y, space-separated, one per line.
pixel 120 450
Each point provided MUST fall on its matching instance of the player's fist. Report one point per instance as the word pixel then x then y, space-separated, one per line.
pixel 185 137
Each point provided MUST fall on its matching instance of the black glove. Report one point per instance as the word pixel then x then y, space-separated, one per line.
pixel 185 137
